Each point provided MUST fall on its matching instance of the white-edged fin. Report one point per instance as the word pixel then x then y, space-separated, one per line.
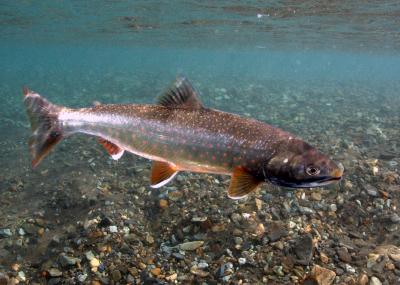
pixel 162 173
pixel 117 155
pixel 115 151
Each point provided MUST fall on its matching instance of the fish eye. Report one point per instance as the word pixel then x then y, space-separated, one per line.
pixel 312 170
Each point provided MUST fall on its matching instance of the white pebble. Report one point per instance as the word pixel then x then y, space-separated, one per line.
pixel 113 229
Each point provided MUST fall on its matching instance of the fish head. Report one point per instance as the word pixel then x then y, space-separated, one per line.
pixel 302 166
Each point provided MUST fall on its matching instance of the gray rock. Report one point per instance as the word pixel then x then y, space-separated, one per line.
pixel 66 260
pixel 276 231
pixel 306 210
pixel 54 272
pixel 5 233
pixel 395 218
pixel 303 249
pixel 371 190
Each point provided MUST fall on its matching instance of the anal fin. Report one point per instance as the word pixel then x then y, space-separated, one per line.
pixel 162 173
pixel 242 183
pixel 115 151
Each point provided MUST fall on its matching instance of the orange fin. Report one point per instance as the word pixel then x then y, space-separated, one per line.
pixel 115 151
pixel 162 173
pixel 242 183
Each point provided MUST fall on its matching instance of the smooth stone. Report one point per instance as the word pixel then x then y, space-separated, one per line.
pixel 343 254
pixel 113 229
pixel 54 272
pixel 191 245
pixel 89 255
pixel 363 279
pixel 5 233
pixel 374 281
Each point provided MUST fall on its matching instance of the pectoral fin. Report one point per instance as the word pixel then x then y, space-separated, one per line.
pixel 115 151
pixel 242 183
pixel 162 173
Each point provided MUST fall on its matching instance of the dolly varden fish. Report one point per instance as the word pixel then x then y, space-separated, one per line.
pixel 180 134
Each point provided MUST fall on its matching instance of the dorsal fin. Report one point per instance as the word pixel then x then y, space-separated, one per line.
pixel 181 95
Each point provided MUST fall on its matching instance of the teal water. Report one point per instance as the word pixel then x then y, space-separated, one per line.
pixel 325 70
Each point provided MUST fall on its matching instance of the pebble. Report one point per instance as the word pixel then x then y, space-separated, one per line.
pixel 343 254
pixel 4 280
pixel 116 275
pixel 149 239
pixel 21 276
pixel 89 255
pixel 171 277
pixel 324 258
pixel 371 190
pixel 155 271
pixel 163 204
pixel 306 210
pixel 374 281
pixel 278 269
pixel 225 269
pixel 54 272
pixel 202 265
pixel 323 275
pixel 198 272
pixel 242 260
pixel 333 207
pixel 276 231
pixel 65 260
pixel 238 240
pixel 303 249
pixel 82 277
pixel 316 196
pixel 94 262
pixel 5 233
pixel 395 218
pixel 113 229
pixel 363 279
pixel 350 269
pixel 191 245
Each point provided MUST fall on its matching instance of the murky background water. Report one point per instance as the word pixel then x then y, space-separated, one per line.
pixel 325 70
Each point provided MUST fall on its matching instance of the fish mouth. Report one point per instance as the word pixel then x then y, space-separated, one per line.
pixel 322 181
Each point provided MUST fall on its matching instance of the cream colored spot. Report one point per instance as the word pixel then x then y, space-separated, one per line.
pixel 285 160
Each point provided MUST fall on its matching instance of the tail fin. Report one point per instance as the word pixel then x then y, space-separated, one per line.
pixel 46 129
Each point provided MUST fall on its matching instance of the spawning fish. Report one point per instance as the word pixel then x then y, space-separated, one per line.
pixel 180 134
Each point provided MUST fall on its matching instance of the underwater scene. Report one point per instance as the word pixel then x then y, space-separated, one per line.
pixel 300 186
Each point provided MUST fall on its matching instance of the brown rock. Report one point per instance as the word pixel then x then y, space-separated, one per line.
pixel 163 204
pixel 116 275
pixel 322 275
pixel 3 279
pixel 156 271
pixel 363 279
pixel 324 258
pixel 344 254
